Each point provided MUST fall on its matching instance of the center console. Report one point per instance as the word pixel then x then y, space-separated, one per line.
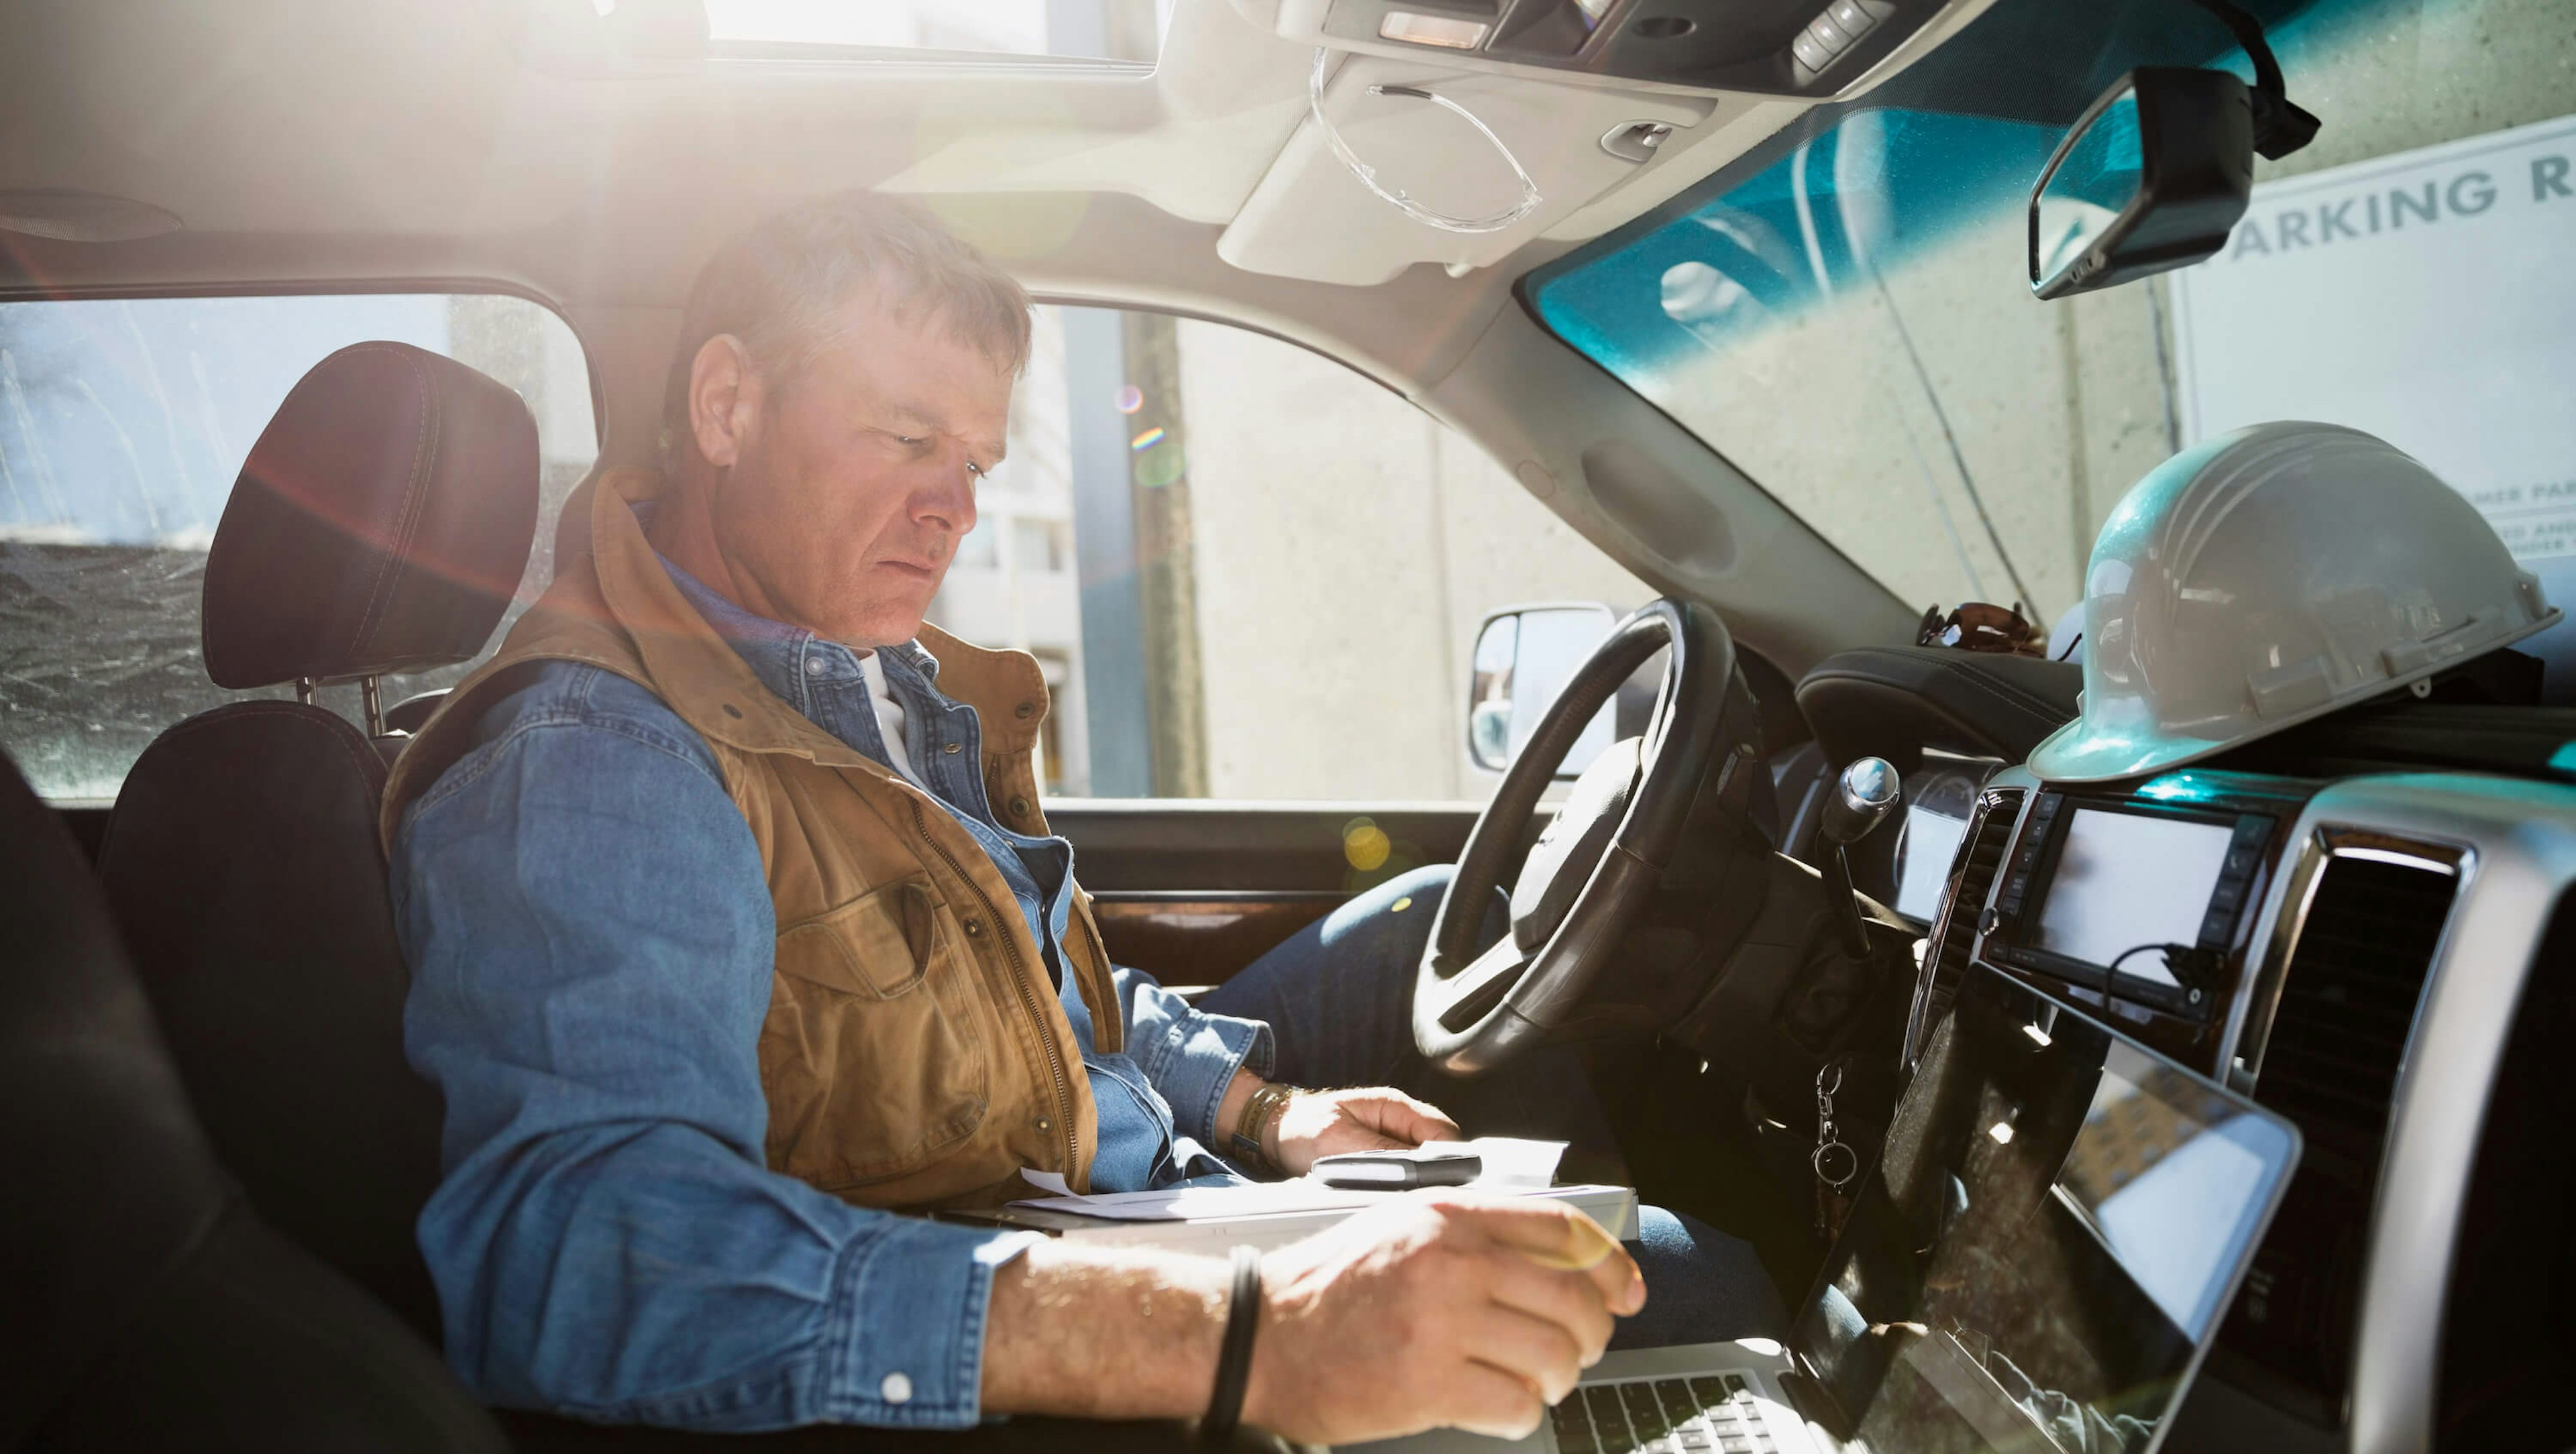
pixel 2350 952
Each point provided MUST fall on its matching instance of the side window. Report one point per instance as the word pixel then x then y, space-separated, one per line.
pixel 123 424
pixel 1248 571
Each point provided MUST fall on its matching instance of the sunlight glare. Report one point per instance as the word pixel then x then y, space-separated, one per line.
pixel 1018 27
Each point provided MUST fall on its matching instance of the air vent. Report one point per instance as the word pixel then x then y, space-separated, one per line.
pixel 2348 1001
pixel 1972 876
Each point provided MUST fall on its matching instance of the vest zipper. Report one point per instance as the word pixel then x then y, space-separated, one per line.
pixel 1020 977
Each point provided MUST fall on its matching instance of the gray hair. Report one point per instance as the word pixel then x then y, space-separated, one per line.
pixel 779 287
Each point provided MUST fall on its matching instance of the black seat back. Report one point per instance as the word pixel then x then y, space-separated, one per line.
pixel 382 522
pixel 142 1304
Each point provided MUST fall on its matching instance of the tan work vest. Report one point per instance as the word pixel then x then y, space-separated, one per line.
pixel 914 1054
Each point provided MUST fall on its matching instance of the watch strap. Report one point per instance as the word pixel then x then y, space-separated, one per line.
pixel 1263 1107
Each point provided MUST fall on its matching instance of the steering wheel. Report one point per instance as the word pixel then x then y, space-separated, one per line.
pixel 1593 870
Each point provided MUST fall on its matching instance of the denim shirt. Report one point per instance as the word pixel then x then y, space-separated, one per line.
pixel 1141 1145
pixel 591 939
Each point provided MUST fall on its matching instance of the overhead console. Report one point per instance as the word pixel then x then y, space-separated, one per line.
pixel 1761 47
pixel 1456 131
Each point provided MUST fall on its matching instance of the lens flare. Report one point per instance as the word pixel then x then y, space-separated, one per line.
pixel 1146 440
pixel 1130 398
pixel 1158 468
pixel 1365 845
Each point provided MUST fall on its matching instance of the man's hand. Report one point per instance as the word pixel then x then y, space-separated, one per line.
pixel 1328 1123
pixel 1440 1308
pixel 1435 1310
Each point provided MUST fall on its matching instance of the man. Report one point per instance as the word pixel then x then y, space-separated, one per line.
pixel 736 929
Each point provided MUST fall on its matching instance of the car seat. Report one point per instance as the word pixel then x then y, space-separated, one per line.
pixel 147 1305
pixel 381 524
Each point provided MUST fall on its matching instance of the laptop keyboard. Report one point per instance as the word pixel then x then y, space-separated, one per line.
pixel 1713 1414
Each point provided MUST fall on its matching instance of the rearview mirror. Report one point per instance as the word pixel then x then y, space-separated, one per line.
pixel 1524 657
pixel 2153 176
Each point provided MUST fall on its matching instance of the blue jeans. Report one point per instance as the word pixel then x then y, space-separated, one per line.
pixel 1338 995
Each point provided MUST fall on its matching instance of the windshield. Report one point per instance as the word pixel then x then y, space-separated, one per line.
pixel 1847 315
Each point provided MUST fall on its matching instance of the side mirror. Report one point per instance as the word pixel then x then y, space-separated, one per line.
pixel 1524 657
pixel 2153 176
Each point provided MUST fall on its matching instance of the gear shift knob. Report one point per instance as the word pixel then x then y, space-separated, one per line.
pixel 1862 798
pixel 1866 794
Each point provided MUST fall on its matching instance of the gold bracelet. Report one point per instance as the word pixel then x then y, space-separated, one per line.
pixel 1266 1104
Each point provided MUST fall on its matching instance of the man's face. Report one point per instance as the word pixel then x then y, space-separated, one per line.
pixel 856 477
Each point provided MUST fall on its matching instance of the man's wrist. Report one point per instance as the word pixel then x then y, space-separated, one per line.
pixel 1234 1350
pixel 1255 1134
pixel 1229 1109
pixel 1277 1118
pixel 1105 1332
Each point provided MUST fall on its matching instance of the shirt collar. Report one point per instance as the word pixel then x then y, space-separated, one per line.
pixel 782 656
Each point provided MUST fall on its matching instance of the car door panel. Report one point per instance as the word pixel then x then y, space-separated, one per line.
pixel 1192 891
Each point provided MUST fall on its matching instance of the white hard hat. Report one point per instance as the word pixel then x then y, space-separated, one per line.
pixel 2269 576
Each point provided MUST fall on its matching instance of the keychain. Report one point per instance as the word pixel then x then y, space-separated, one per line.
pixel 1835 1163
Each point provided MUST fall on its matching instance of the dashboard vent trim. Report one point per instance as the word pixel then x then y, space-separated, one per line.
pixel 2349 992
pixel 2350 989
pixel 1954 931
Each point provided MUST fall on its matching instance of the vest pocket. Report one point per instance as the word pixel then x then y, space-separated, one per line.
pixel 871 1057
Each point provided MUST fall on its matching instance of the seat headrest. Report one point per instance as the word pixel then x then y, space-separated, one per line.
pixel 380 524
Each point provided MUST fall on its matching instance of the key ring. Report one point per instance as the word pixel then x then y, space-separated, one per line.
pixel 1834 1152
pixel 1830 1150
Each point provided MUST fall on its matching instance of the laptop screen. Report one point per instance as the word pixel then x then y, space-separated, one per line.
pixel 2057 1223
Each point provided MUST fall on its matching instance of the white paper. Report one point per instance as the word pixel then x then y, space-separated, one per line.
pixel 1509 1162
pixel 2423 296
pixel 1510 1165
pixel 1205 1203
pixel 1050 1182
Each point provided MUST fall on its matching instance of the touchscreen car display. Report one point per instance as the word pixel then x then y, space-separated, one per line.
pixel 2130 881
pixel 2057 1224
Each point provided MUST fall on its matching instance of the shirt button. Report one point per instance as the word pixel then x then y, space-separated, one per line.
pixel 813 666
pixel 897 1389
pixel 1020 807
pixel 950 747
pixel 1045 1125
pixel 1026 710
pixel 974 928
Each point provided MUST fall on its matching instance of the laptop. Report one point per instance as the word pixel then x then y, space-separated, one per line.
pixel 2037 1266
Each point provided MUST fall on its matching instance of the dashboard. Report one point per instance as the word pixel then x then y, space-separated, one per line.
pixel 2352 952
pixel 2355 921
